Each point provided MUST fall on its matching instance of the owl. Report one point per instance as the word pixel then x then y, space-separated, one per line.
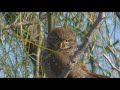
pixel 61 46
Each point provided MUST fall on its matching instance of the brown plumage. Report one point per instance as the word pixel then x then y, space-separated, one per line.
pixel 63 42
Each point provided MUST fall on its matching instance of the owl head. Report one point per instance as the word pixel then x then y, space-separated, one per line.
pixel 62 39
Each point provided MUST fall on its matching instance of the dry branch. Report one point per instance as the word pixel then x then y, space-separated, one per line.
pixel 113 66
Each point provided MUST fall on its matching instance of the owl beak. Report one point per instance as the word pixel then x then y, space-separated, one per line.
pixel 64 45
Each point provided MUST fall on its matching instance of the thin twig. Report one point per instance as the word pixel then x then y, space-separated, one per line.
pixel 13 25
pixel 113 66
pixel 82 48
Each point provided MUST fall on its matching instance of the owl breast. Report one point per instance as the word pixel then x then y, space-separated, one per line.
pixel 54 63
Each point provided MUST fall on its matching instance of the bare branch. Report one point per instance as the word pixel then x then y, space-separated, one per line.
pixel 50 21
pixel 82 48
pixel 39 38
pixel 113 66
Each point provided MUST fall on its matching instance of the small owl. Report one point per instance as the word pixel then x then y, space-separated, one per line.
pixel 62 45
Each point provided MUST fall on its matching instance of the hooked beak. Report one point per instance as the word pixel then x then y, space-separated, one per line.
pixel 64 45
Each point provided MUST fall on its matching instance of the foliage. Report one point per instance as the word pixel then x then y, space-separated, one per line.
pixel 18 28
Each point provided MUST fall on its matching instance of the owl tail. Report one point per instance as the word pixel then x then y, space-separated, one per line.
pixel 94 75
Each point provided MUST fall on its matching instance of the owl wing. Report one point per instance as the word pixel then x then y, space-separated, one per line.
pixel 53 63
pixel 46 56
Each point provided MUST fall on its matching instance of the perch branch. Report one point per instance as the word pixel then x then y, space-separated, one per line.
pixel 82 48
pixel 113 66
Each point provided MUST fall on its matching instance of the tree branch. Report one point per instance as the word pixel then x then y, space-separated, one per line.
pixel 50 18
pixel 82 48
pixel 39 41
pixel 113 66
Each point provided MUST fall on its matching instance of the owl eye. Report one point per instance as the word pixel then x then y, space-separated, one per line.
pixel 69 40
pixel 56 39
